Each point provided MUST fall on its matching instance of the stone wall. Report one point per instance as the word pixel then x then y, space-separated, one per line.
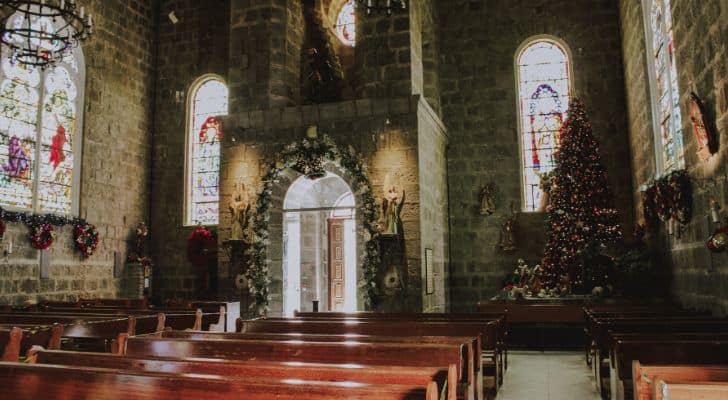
pixel 195 46
pixel 115 165
pixel 701 39
pixel 478 44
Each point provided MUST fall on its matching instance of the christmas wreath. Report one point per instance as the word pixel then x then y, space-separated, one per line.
pixel 201 247
pixel 670 197
pixel 86 238
pixel 41 236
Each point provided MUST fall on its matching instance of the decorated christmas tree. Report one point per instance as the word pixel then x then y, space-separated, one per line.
pixel 581 217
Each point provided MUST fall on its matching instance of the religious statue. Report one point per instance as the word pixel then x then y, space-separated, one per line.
pixel 392 207
pixel 141 232
pixel 704 138
pixel 508 234
pixel 487 199
pixel 240 209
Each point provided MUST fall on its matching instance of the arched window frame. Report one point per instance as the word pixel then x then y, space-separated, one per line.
pixel 516 62
pixel 74 58
pixel 190 130
pixel 676 120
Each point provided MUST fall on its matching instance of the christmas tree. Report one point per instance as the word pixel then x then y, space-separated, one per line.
pixel 581 218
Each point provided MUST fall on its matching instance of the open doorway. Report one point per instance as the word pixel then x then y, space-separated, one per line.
pixel 319 245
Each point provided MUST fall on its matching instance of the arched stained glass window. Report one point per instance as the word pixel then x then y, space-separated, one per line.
pixel 346 24
pixel 208 100
pixel 544 89
pixel 663 85
pixel 40 133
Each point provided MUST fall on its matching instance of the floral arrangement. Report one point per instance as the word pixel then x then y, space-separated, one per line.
pixel 41 226
pixel 668 198
pixel 308 157
pixel 201 246
pixel 86 238
pixel 42 236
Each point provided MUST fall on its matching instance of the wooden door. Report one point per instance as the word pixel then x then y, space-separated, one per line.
pixel 336 265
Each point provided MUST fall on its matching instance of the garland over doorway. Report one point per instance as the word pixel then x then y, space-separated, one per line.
pixel 308 157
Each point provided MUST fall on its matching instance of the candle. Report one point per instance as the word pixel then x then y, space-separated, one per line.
pixel 670 226
pixel 63 4
pixel 83 10
pixel 10 247
pixel 90 21
pixel 714 207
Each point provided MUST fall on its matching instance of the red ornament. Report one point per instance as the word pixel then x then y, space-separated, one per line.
pixel 201 247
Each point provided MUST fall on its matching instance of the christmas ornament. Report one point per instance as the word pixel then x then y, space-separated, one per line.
pixel 42 236
pixel 211 131
pixel 718 241
pixel 86 238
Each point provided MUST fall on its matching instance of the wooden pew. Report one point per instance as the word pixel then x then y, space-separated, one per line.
pixel 500 318
pixel 195 319
pixel 61 382
pixel 260 369
pixel 658 351
pixel 399 354
pixel 645 376
pixel 485 331
pixel 678 390
pixel 95 332
pixel 17 340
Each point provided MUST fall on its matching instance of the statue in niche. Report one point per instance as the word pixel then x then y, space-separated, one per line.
pixel 508 233
pixel 392 206
pixel 487 199
pixel 240 210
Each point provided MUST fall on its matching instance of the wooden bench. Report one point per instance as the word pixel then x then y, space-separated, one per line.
pixel 645 376
pixel 16 341
pixel 398 354
pixel 499 318
pixel 659 351
pixel 678 390
pixel 421 376
pixel 485 331
pixel 61 382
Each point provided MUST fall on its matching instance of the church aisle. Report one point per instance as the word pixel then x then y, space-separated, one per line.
pixel 547 376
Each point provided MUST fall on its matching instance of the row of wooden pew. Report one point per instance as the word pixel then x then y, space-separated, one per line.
pixel 647 352
pixel 322 356
pixel 97 328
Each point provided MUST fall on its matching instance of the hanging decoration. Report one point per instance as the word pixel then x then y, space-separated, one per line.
pixel 704 136
pixel 42 236
pixel 41 226
pixel 42 32
pixel 86 238
pixel 718 241
pixel 294 156
pixel 387 6
pixel 668 199
pixel 201 247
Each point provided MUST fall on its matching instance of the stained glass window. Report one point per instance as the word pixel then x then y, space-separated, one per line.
pixel 543 95
pixel 39 130
pixel 665 93
pixel 208 100
pixel 346 24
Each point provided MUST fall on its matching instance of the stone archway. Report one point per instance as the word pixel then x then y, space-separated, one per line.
pixel 311 157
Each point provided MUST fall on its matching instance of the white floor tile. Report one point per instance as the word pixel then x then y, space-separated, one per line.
pixel 547 376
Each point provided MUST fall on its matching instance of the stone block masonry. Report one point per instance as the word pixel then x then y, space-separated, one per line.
pixel 701 43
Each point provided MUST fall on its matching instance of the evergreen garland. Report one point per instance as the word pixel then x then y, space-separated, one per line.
pixel 308 157
pixel 41 227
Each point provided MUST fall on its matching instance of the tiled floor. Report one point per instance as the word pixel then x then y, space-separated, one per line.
pixel 549 375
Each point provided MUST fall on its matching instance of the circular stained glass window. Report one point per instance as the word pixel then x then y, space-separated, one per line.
pixel 346 24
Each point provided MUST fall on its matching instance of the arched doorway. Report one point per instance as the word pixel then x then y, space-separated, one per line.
pixel 319 245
